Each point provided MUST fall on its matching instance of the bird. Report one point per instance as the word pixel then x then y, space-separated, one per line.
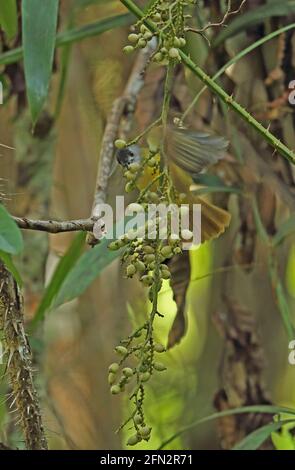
pixel 187 153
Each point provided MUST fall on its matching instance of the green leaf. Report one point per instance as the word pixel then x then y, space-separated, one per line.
pixel 63 268
pixel 264 409
pixel 39 21
pixel 88 268
pixel 7 260
pixel 92 29
pixel 205 179
pixel 74 35
pixel 86 3
pixel 254 440
pixel 255 16
pixel 8 18
pixel 211 184
pixel 215 189
pixel 286 229
pixel 11 240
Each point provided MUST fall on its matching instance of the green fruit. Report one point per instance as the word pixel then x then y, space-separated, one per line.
pixel 129 187
pixel 148 249
pixel 133 440
pixel 141 43
pixel 145 376
pixel 111 378
pixel 165 274
pixel 113 246
pixel 127 371
pixel 121 350
pixel 177 250
pixel 145 431
pixel 128 49
pixel 140 266
pixel 130 270
pixel 166 251
pixel 129 176
pixel 114 367
pixel 149 258
pixel 120 144
pixel 158 58
pixel 159 348
pixel 133 37
pixel 152 161
pixel 137 419
pixel 157 17
pixel 134 167
pixel 176 42
pixel 159 366
pixel 173 53
pixel 153 197
pixel 115 389
pixel 148 35
pixel 182 42
pixel 147 280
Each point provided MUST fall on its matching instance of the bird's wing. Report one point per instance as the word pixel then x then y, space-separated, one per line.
pixel 192 150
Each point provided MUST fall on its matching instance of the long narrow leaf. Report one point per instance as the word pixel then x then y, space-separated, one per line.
pixel 8 18
pixel 64 266
pixel 284 231
pixel 39 21
pixel 265 409
pixel 7 260
pixel 88 268
pixel 254 440
pixel 74 35
pixel 11 240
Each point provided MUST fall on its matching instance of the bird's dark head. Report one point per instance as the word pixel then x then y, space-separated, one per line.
pixel 128 155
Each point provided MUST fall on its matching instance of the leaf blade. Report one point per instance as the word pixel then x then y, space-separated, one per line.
pixel 11 240
pixel 254 440
pixel 74 35
pixel 39 35
pixel 8 18
pixel 88 268
pixel 265 409
pixel 64 266
pixel 7 260
pixel 285 230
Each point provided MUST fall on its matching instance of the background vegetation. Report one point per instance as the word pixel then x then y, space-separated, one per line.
pixel 62 67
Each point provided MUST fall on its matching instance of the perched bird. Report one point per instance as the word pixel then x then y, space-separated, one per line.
pixel 186 153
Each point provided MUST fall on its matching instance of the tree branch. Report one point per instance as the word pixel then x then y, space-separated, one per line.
pixel 54 226
pixel 119 122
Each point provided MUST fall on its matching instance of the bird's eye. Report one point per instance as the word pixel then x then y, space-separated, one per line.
pixel 131 153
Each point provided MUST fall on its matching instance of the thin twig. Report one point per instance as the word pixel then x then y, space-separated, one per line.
pixel 229 12
pixel 119 121
pixel 54 226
